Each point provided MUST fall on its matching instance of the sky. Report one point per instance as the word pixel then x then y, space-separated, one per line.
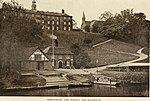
pixel 92 8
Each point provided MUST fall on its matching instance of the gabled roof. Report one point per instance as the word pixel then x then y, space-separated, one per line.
pixel 57 50
pixel 27 52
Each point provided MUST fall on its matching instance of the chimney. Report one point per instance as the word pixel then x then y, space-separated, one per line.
pixel 63 11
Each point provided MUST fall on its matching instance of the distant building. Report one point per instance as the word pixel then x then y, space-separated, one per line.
pixel 49 20
pixel 37 59
pixel 90 26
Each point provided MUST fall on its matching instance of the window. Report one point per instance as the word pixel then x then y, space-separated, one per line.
pixel 57 28
pixel 64 17
pixel 48 17
pixel 57 18
pixel 53 28
pixel 52 17
pixel 57 22
pixel 38 57
pixel 48 22
pixel 53 22
pixel 64 23
pixel 48 28
pixel 69 28
pixel 67 63
pixel 42 21
pixel 69 23
pixel 64 28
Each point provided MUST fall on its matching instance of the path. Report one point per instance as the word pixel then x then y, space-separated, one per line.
pixel 141 56
pixel 101 43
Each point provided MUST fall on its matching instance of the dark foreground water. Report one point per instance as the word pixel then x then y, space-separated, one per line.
pixel 93 91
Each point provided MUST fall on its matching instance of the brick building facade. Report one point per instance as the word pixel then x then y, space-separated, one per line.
pixel 48 20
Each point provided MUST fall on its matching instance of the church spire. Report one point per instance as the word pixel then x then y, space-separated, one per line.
pixel 33 7
pixel 83 17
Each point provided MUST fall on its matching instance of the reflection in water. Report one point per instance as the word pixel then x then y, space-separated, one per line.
pixel 94 91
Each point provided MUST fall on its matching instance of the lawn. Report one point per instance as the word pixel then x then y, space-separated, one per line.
pixel 106 57
pixel 108 53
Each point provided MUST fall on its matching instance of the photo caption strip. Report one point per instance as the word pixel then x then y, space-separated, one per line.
pixel 71 99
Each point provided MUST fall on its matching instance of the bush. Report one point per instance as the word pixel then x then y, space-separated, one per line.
pixel 27 81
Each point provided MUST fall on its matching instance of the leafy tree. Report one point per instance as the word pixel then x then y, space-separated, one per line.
pixel 74 24
pixel 127 26
pixel 16 33
pixel 87 28
pixel 105 16
pixel 81 58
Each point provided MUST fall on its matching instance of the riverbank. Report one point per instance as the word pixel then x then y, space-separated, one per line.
pixel 46 79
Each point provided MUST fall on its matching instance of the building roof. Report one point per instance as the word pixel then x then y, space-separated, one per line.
pixel 83 17
pixel 57 50
pixel 27 52
pixel 132 65
pixel 46 13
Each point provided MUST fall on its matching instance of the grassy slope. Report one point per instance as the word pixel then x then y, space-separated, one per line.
pixel 106 53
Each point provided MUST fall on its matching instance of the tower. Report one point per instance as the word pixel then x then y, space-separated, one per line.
pixel 83 22
pixel 33 7
pixel 83 18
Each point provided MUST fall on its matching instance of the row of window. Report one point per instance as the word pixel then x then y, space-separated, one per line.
pixel 44 16
pixel 56 28
pixel 55 22
pixel 66 63
pixel 55 17
pixel 38 57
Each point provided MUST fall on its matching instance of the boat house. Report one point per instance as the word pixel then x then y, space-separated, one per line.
pixel 38 59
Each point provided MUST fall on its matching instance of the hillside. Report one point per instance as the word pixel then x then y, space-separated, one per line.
pixel 108 53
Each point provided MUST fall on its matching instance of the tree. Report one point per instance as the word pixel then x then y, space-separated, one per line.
pixel 81 58
pixel 74 24
pixel 105 16
pixel 87 28
pixel 16 33
pixel 127 26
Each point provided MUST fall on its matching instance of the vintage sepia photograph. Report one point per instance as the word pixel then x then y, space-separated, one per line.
pixel 74 48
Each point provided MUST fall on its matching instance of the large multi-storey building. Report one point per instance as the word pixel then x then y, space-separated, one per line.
pixel 49 20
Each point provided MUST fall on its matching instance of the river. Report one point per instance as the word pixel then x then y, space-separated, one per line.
pixel 93 91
